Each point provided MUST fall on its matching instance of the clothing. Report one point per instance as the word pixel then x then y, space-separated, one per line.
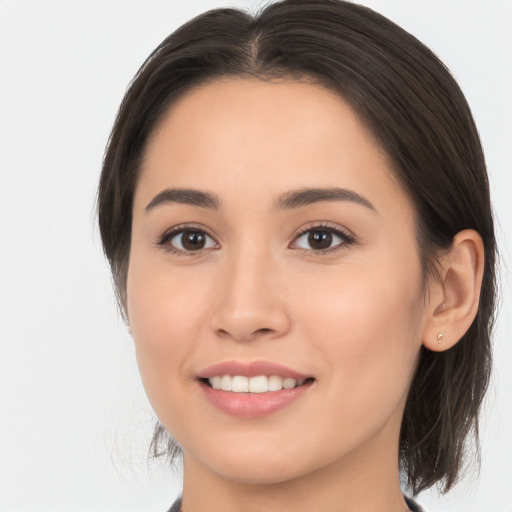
pixel 410 503
pixel 176 506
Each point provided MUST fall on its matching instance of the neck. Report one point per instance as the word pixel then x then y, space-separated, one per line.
pixel 367 480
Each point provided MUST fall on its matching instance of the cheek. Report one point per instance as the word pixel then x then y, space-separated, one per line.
pixel 165 315
pixel 366 327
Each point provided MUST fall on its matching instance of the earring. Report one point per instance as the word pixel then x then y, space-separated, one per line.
pixel 440 338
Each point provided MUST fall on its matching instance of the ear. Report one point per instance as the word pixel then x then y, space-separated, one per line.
pixel 454 298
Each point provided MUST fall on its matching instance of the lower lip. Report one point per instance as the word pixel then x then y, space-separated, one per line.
pixel 253 405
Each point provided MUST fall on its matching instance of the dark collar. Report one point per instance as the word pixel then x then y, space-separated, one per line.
pixel 411 504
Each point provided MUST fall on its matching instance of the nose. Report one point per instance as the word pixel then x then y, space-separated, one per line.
pixel 250 299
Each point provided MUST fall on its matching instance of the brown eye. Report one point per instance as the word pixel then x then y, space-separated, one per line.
pixel 193 240
pixel 189 240
pixel 319 239
pixel 323 239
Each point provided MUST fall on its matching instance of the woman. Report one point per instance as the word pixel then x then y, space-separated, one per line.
pixel 296 212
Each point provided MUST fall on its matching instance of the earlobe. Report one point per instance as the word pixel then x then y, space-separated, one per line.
pixel 455 302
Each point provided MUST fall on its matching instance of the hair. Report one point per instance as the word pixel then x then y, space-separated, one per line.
pixel 415 110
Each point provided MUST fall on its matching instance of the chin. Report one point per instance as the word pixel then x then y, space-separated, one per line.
pixel 259 472
pixel 259 461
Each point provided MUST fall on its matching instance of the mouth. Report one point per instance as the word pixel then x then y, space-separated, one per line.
pixel 253 389
pixel 256 384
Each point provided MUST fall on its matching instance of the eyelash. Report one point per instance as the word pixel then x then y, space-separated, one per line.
pixel 177 230
pixel 346 239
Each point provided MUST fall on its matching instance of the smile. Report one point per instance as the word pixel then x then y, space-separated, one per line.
pixel 258 384
pixel 252 389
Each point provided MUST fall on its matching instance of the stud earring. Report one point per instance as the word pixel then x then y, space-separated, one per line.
pixel 440 338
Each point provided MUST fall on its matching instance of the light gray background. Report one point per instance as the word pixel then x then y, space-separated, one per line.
pixel 74 422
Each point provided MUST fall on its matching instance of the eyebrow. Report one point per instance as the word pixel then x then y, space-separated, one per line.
pixel 185 196
pixel 289 200
pixel 306 196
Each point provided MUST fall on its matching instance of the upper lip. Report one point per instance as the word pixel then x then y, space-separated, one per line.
pixel 250 369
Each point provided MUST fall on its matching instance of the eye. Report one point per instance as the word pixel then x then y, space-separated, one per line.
pixel 187 240
pixel 322 239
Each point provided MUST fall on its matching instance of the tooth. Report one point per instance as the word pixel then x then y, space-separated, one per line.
pixel 225 383
pixel 258 384
pixel 275 383
pixel 215 382
pixel 240 384
pixel 289 383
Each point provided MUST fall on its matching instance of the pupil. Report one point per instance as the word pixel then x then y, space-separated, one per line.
pixel 320 239
pixel 193 240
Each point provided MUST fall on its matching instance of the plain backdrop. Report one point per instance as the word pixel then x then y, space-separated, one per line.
pixel 74 422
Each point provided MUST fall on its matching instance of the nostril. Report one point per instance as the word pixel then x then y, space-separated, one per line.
pixel 248 335
pixel 263 331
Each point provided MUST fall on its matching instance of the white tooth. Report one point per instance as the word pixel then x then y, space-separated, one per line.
pixel 300 382
pixel 240 384
pixel 258 384
pixel 225 383
pixel 215 382
pixel 275 383
pixel 289 383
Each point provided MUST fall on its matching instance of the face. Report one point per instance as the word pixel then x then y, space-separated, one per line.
pixel 270 239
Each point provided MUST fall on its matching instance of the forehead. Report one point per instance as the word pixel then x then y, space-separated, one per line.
pixel 253 112
pixel 257 138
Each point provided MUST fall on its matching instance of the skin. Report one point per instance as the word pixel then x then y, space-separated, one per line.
pixel 354 318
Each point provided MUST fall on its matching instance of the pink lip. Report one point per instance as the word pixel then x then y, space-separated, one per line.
pixel 252 405
pixel 250 369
